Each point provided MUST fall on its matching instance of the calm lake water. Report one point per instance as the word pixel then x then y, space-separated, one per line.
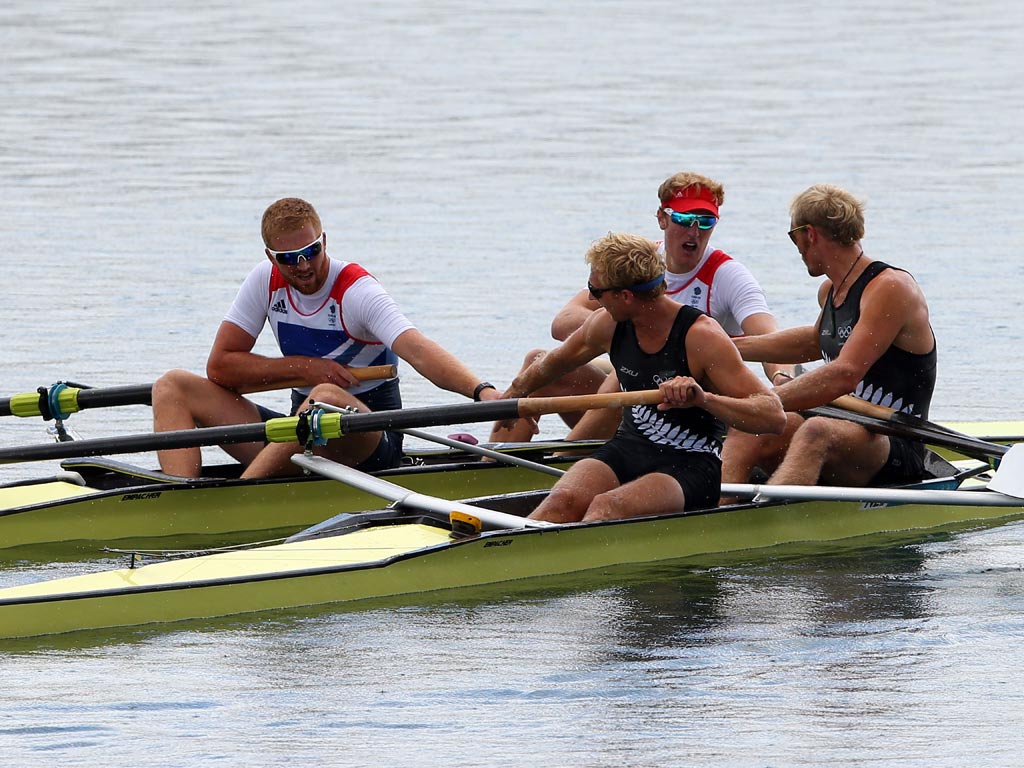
pixel 467 153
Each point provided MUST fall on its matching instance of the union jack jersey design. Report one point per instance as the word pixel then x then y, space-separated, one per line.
pixel 720 287
pixel 696 292
pixel 321 331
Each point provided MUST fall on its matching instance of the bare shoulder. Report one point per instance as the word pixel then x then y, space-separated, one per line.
pixel 571 316
pixel 707 324
pixel 715 362
pixel 894 284
pixel 823 289
pixel 583 299
pixel 706 333
pixel 599 325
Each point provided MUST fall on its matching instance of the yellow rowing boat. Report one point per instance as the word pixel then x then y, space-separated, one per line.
pixel 424 544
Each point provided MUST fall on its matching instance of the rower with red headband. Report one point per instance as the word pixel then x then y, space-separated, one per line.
pixel 697 275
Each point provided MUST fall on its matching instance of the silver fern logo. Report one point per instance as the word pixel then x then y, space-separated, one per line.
pixel 652 426
pixel 880 397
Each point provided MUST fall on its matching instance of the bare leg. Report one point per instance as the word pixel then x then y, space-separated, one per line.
pixel 572 494
pixel 600 423
pixel 183 400
pixel 275 459
pixel 653 494
pixel 744 451
pixel 585 380
pixel 837 450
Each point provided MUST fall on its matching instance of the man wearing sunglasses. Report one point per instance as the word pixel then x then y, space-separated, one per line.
pixel 664 458
pixel 698 276
pixel 328 316
pixel 874 334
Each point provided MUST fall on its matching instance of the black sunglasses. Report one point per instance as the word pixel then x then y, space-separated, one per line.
pixel 597 293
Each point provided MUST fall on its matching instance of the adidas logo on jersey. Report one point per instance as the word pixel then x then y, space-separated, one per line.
pixel 279 306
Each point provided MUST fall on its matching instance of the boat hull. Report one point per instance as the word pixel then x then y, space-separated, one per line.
pixel 394 558
pixel 32 515
pixel 120 504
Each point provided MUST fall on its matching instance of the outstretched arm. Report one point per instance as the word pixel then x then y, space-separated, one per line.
pixel 761 324
pixel 893 312
pixel 592 339
pixel 792 345
pixel 722 384
pixel 438 365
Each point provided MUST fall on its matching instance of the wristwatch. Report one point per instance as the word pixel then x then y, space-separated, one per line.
pixel 480 388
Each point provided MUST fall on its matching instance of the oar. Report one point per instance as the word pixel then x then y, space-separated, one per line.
pixel 1009 476
pixel 403 497
pixel 329 425
pixel 478 450
pixel 65 398
pixel 886 421
pixel 993 497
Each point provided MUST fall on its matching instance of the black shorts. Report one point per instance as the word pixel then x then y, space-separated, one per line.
pixel 904 465
pixel 387 455
pixel 299 401
pixel 698 474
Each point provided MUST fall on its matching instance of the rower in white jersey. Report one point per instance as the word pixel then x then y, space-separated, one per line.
pixel 697 275
pixel 328 316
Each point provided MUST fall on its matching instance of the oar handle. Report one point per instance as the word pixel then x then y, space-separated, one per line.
pixel 71 399
pixel 538 406
pixel 373 372
pixel 855 404
pixel 330 425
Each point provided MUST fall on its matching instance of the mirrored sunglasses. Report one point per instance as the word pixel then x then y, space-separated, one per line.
pixel 306 253
pixel 687 220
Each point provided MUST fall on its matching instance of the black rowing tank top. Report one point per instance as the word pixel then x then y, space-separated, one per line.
pixel 899 379
pixel 682 429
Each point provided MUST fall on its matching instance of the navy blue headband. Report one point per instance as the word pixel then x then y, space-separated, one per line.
pixel 650 284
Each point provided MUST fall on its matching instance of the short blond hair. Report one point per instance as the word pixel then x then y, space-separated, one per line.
pixel 831 209
pixel 626 260
pixel 288 215
pixel 685 180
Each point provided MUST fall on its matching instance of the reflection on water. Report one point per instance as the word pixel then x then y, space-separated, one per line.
pixel 788 654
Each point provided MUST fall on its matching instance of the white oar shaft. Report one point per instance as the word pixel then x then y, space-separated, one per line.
pixel 504 458
pixel 869 495
pixel 403 497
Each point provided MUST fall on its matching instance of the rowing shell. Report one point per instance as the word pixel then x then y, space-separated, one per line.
pixel 102 500
pixel 413 548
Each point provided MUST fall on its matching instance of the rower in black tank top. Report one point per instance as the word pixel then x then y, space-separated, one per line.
pixel 684 443
pixel 682 429
pixel 899 379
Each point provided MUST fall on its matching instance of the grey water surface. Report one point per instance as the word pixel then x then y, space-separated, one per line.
pixel 467 153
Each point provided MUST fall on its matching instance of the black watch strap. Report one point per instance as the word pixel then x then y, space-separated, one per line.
pixel 480 388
